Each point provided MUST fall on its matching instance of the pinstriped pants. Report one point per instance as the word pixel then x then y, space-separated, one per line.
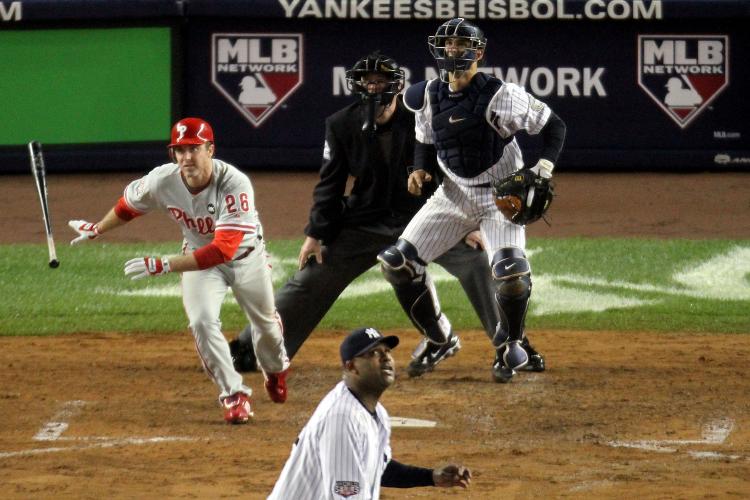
pixel 454 211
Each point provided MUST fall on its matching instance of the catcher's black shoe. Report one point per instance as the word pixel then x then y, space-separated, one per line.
pixel 427 355
pixel 536 360
pixel 243 356
pixel 501 373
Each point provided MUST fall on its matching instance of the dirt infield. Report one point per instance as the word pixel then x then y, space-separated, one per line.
pixel 615 415
pixel 698 206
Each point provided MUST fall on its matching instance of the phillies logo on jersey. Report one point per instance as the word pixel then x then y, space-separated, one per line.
pixel 256 72
pixel 683 73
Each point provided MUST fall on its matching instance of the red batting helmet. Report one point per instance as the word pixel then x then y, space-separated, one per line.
pixel 191 131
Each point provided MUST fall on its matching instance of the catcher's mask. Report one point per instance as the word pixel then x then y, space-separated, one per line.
pixel 379 64
pixel 469 37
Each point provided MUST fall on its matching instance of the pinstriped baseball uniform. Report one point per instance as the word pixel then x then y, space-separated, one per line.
pixel 459 206
pixel 341 452
pixel 227 203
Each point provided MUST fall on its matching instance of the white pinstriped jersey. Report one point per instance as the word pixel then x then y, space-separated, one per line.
pixel 510 110
pixel 459 205
pixel 228 202
pixel 341 452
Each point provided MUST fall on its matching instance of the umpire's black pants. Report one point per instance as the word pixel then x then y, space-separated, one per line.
pixel 305 299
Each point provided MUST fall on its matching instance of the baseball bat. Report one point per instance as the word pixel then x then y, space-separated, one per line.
pixel 40 176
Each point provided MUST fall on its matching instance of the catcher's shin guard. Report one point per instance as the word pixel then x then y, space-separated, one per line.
pixel 405 271
pixel 420 302
pixel 512 275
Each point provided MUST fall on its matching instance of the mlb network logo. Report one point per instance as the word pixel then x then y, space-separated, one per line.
pixel 683 73
pixel 256 72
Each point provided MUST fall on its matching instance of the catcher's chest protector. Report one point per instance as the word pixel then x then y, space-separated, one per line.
pixel 464 140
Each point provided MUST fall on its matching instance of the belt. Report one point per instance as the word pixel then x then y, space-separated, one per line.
pixel 483 185
pixel 244 254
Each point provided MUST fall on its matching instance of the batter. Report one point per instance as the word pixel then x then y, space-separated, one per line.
pixel 214 205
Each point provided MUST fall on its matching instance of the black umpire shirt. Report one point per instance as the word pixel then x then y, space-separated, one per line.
pixel 380 165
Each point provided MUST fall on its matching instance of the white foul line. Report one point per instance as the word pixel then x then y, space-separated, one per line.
pixel 105 444
pixel 714 432
pixel 52 430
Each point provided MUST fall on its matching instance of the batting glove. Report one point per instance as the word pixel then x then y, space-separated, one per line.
pixel 543 168
pixel 143 267
pixel 85 230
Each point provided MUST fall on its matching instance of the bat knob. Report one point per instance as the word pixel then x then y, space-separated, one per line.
pixel 54 263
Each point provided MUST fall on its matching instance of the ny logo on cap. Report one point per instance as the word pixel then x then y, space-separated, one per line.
pixel 372 333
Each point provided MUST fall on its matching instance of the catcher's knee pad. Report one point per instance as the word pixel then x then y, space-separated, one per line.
pixel 420 301
pixel 509 263
pixel 400 263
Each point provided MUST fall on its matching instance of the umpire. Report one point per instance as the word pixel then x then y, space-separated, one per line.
pixel 372 140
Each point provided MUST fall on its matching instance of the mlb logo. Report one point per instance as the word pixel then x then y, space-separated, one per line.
pixel 683 73
pixel 256 72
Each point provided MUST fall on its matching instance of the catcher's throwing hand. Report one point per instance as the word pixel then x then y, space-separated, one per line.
pixel 142 267
pixel 86 230
pixel 417 180
pixel 474 240
pixel 452 475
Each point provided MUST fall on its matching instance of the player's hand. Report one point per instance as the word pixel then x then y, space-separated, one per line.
pixel 474 240
pixel 452 475
pixel 143 267
pixel 543 168
pixel 310 246
pixel 417 180
pixel 86 230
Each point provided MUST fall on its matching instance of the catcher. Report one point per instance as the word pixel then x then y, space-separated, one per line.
pixel 466 127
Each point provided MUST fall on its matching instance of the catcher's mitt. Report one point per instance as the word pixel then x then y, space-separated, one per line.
pixel 523 197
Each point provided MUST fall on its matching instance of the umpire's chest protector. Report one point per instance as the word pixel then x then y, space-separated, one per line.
pixel 465 141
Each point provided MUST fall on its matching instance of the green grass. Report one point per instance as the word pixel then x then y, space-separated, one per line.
pixel 591 284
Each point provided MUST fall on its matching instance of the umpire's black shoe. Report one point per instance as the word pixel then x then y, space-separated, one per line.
pixel 243 356
pixel 427 355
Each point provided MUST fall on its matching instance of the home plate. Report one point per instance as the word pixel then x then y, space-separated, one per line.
pixel 411 422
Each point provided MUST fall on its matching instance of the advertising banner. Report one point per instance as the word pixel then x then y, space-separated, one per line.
pixel 641 84
pixel 647 94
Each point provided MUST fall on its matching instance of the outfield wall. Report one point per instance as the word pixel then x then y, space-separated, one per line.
pixel 642 84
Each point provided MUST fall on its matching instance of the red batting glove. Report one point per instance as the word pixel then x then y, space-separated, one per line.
pixel 143 267
pixel 86 230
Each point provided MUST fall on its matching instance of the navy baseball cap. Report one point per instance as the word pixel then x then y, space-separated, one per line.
pixel 362 340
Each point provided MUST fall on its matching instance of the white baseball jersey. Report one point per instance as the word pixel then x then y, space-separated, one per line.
pixel 340 454
pixel 459 205
pixel 227 203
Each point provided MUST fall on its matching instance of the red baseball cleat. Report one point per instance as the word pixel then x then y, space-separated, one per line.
pixel 237 408
pixel 276 386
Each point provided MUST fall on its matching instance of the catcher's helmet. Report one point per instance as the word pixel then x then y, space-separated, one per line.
pixel 191 131
pixel 461 29
pixel 379 64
